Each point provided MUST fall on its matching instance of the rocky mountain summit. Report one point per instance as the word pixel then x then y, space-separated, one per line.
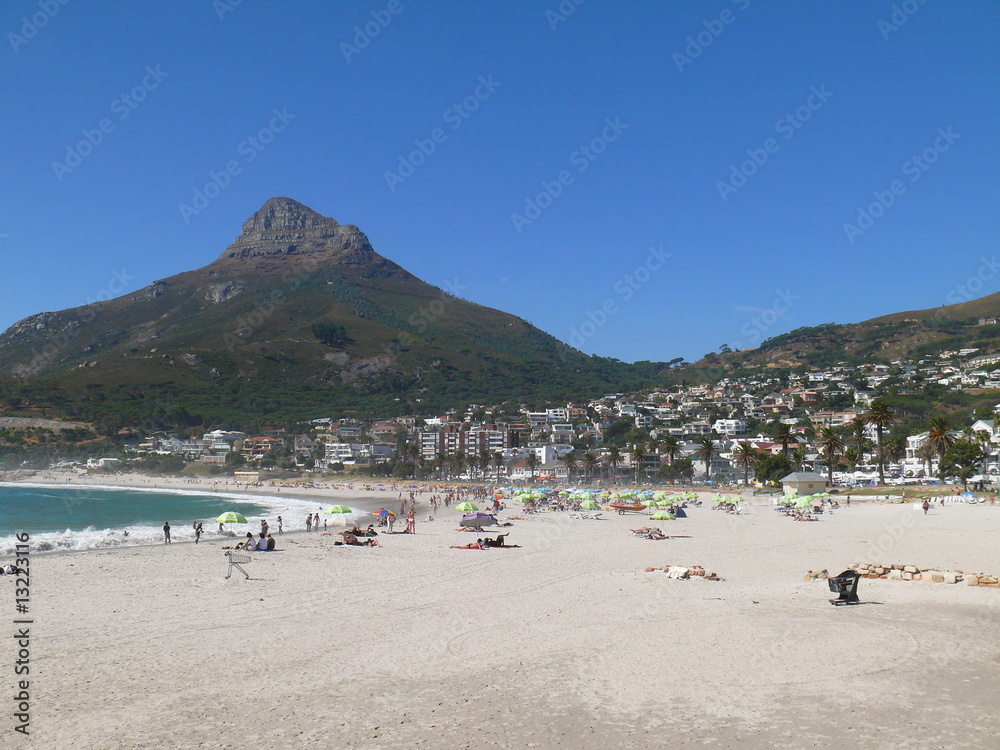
pixel 284 226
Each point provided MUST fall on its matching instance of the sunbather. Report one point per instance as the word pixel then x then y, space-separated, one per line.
pixel 498 542
pixel 353 541
pixel 478 544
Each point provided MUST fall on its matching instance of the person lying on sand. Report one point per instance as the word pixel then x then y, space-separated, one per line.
pixel 649 532
pixel 478 544
pixel 353 541
pixel 498 542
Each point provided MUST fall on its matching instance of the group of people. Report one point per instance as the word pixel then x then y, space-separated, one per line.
pixel 264 544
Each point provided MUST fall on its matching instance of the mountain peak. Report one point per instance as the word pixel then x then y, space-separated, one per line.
pixel 284 214
pixel 283 226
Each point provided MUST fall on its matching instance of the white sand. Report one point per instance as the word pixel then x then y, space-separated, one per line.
pixel 565 642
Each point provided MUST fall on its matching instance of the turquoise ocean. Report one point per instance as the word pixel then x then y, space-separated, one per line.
pixel 58 517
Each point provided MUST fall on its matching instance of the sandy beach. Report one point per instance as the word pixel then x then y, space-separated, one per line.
pixel 563 642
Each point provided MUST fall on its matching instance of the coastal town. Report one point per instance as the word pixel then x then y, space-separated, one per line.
pixel 739 429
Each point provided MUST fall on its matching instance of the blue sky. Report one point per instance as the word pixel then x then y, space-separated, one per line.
pixel 820 108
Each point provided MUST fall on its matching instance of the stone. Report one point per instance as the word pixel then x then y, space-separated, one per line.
pixel 972 581
pixel 896 574
pixel 897 567
pixel 823 574
pixel 906 576
pixel 917 576
pixel 937 578
pixel 993 585
pixel 879 570
pixel 910 569
pixel 950 578
pixel 650 570
pixel 872 575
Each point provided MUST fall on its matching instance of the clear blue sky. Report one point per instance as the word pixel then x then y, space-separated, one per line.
pixel 775 244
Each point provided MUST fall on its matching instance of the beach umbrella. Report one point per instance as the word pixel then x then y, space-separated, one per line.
pixel 338 509
pixel 804 502
pixel 589 505
pixel 466 507
pixel 231 517
pixel 478 520
pixel 663 516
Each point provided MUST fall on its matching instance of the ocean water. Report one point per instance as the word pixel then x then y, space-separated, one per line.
pixel 58 517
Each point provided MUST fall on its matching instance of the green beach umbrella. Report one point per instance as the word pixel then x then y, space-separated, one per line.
pixel 804 502
pixel 663 516
pixel 338 509
pixel 231 517
pixel 589 505
pixel 466 508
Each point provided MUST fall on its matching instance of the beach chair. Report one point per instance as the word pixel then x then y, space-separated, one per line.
pixel 237 560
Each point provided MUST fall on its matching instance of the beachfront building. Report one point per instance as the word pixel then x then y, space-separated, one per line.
pixel 256 447
pixel 803 483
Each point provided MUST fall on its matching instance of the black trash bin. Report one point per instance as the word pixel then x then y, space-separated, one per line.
pixel 846 585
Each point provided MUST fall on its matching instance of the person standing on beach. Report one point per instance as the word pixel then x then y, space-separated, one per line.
pixel 309 522
pixel 411 522
pixel 926 505
pixel 316 522
pixel 263 527
pixel 279 526
pixel 166 532
pixel 197 532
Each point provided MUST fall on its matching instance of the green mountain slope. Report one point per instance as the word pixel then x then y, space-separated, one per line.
pixel 916 334
pixel 298 317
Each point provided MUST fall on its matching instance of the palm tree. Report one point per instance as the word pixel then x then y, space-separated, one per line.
pixel 831 444
pixel 457 463
pixel 746 456
pixel 532 462
pixel 782 434
pixel 670 445
pixel 706 451
pixel 440 459
pixel 926 453
pixel 879 416
pixel 859 437
pixel 613 460
pixel 498 464
pixel 590 463
pixel 798 458
pixel 638 455
pixel 484 461
pixel 570 462
pixel 938 438
pixel 984 439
